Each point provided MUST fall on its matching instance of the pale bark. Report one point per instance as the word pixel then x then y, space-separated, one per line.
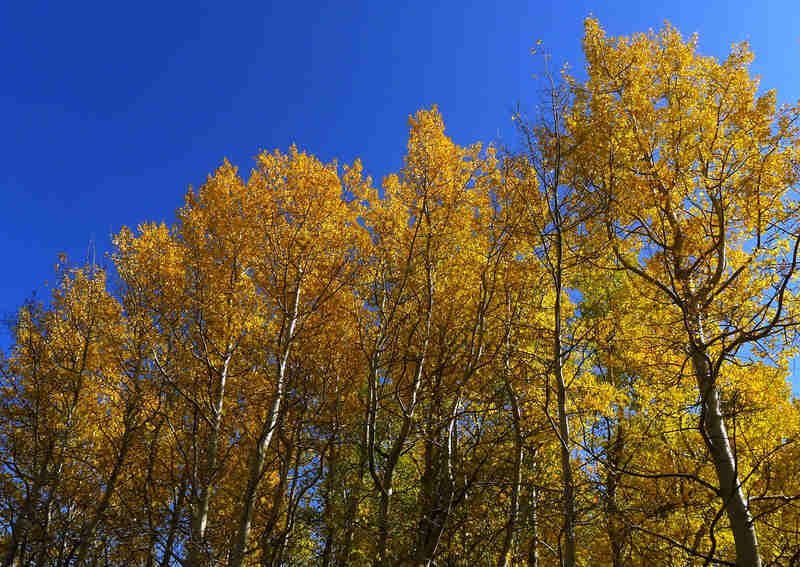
pixel 384 482
pixel 265 436
pixel 533 522
pixel 715 434
pixel 513 518
pixel 205 477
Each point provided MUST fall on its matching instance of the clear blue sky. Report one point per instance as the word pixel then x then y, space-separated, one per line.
pixel 109 110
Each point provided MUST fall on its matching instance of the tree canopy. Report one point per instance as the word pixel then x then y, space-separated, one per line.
pixel 574 353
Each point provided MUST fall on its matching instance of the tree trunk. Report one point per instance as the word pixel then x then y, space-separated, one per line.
pixel 270 534
pixel 87 537
pixel 174 523
pixel 614 530
pixel 265 438
pixel 533 520
pixel 436 493
pixel 715 434
pixel 568 494
pixel 511 525
pixel 381 558
pixel 200 503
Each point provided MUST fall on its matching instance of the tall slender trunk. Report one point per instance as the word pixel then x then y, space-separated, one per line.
pixel 87 537
pixel 568 494
pixel 201 502
pixel 270 535
pixel 385 481
pixel 174 523
pixel 533 522
pixel 437 492
pixel 265 438
pixel 614 528
pixel 294 496
pixel 19 532
pixel 381 559
pixel 343 555
pixel 715 434
pixel 47 479
pixel 328 521
pixel 513 516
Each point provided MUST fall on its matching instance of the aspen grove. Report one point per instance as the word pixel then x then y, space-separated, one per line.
pixel 576 353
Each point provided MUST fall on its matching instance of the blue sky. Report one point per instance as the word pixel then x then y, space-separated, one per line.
pixel 110 110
